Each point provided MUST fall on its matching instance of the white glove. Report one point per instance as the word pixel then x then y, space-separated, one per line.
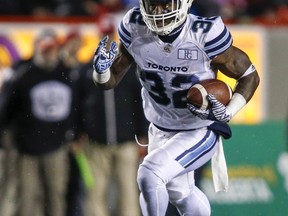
pixel 217 112
pixel 103 59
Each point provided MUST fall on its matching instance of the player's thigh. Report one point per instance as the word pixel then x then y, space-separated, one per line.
pixel 183 152
pixel 181 186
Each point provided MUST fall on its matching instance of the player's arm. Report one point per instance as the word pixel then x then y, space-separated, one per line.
pixel 110 66
pixel 236 64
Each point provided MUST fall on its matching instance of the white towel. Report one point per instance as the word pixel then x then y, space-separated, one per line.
pixel 219 169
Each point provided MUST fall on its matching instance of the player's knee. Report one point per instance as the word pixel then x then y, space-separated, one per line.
pixel 196 203
pixel 147 179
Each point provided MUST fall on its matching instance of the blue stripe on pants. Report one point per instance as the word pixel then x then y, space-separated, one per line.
pixel 201 148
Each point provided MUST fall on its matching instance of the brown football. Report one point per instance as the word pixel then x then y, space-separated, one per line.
pixel 197 94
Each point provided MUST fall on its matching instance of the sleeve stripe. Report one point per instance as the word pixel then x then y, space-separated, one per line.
pixel 220 49
pixel 124 35
pixel 218 38
pixel 219 44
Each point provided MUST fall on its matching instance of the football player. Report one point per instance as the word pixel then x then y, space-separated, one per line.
pixel 174 50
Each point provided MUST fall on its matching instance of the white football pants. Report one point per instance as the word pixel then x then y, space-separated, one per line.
pixel 167 172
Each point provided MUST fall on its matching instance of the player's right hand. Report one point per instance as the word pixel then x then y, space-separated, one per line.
pixel 217 112
pixel 103 59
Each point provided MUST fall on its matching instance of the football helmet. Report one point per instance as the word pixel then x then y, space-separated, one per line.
pixel 163 16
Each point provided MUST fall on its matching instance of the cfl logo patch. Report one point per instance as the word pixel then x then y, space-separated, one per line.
pixel 186 54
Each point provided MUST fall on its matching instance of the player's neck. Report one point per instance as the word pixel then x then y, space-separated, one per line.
pixel 173 35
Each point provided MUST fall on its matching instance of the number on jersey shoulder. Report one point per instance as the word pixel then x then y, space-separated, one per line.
pixel 203 23
pixel 136 17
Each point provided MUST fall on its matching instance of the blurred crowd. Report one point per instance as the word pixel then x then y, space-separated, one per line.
pixel 64 142
pixel 235 11
pixel 245 11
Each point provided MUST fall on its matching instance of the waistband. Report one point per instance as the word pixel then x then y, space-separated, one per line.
pixel 171 130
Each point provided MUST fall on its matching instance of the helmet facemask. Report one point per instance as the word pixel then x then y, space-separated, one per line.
pixel 163 16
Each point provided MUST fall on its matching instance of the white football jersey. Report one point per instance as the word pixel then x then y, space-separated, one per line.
pixel 168 70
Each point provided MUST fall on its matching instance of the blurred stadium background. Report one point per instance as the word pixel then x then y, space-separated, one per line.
pixel 257 155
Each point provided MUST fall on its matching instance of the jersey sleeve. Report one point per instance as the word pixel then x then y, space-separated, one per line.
pixel 218 39
pixel 124 30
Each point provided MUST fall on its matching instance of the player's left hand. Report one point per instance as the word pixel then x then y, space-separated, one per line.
pixel 217 112
pixel 103 59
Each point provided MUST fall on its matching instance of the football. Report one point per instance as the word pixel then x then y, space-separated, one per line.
pixel 197 94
